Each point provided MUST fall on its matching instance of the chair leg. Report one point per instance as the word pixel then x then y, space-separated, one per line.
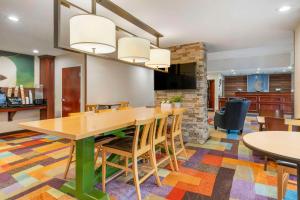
pixel 168 154
pixel 266 163
pixel 72 148
pixel 241 131
pixel 285 183
pixel 103 170
pixel 228 131
pixel 98 149
pixel 154 166
pixel 126 165
pixel 174 153
pixel 282 181
pixel 182 146
pixel 136 178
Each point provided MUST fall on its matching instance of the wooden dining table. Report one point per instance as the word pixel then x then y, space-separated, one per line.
pixel 280 145
pixel 83 129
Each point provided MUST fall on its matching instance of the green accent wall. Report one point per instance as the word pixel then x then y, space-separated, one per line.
pixel 25 68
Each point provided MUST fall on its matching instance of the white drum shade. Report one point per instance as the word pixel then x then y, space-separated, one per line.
pixel 159 58
pixel 133 49
pixel 92 34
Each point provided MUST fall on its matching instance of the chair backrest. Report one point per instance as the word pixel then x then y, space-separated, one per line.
pixel 176 122
pixel 271 113
pixel 142 136
pixel 91 107
pixel 235 114
pixel 123 104
pixel 292 123
pixel 160 128
pixel 275 124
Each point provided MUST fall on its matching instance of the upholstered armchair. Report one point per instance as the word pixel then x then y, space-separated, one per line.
pixel 232 117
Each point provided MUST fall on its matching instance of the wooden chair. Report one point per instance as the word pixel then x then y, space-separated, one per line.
pixel 91 107
pixel 274 124
pixel 284 169
pixel 160 137
pixel 99 141
pixel 176 132
pixel 132 147
pixel 123 104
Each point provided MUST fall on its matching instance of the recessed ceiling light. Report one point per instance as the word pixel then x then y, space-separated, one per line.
pixel 35 51
pixel 284 8
pixel 284 70
pixel 290 67
pixel 233 73
pixel 258 69
pixel 13 18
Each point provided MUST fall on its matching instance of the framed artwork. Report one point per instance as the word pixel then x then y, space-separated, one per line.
pixel 16 69
pixel 258 83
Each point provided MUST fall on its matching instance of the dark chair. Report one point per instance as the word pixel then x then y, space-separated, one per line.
pixel 233 116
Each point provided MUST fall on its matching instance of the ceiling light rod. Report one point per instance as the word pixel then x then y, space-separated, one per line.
pixel 108 4
pixel 69 4
pixel 94 7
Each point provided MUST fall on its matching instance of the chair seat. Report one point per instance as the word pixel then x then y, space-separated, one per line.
pixel 129 130
pixel 103 137
pixel 286 164
pixel 124 144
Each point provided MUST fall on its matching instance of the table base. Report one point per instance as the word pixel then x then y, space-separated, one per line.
pixel 83 187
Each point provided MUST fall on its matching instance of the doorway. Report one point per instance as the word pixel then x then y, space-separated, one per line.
pixel 70 90
pixel 211 95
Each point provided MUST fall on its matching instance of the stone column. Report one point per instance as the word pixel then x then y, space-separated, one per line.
pixel 297 73
pixel 195 127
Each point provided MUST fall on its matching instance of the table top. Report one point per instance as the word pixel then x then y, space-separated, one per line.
pixel 91 124
pixel 282 145
pixel 109 104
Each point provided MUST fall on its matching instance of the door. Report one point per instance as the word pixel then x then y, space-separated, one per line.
pixel 211 95
pixel 70 90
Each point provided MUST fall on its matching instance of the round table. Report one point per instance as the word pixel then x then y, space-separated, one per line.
pixel 281 145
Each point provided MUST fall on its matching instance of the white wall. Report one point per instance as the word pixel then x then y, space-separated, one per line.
pixel 111 81
pixel 22 116
pixel 269 59
pixel 64 61
pixel 218 78
pixel 297 73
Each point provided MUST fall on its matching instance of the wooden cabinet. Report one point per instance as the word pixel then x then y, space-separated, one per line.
pixel 265 101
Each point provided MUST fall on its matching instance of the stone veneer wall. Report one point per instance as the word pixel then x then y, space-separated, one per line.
pixel 195 127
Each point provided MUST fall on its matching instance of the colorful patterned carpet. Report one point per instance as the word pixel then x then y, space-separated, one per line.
pixel 32 166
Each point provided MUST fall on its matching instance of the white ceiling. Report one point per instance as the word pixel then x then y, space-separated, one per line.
pixel 222 25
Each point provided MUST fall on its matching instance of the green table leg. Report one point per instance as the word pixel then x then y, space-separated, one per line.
pixel 83 187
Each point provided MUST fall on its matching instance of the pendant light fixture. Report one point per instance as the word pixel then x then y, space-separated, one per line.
pixel 92 34
pixel 159 58
pixel 134 49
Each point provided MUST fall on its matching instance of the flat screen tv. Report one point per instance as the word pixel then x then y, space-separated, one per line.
pixel 179 76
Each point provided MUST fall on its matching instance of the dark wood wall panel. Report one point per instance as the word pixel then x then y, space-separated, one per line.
pixel 283 81
pixel 233 83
